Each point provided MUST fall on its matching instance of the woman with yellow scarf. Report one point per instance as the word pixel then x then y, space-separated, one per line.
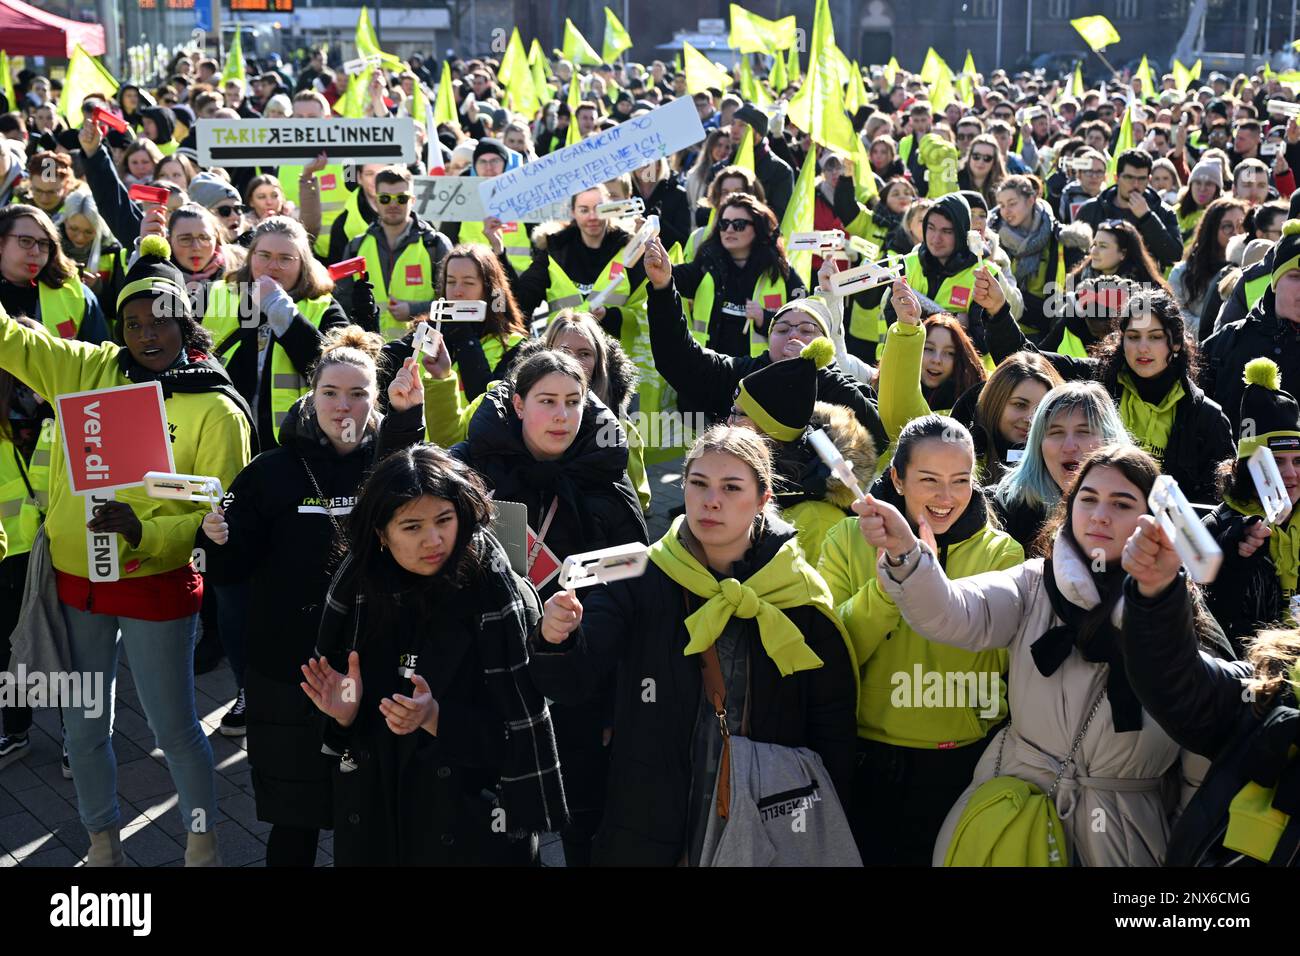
pixel 727 577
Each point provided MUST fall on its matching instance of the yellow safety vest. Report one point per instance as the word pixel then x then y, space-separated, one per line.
pixel 955 293
pixel 287 385
pixel 168 148
pixel 772 293
pixel 1255 289
pixel 564 293
pixel 23 508
pixel 519 248
pixel 64 308
pixel 411 281
pixel 1071 344
pixel 334 199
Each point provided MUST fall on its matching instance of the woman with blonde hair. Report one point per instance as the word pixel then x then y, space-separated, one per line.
pixel 265 198
pixel 279 300
pixel 716 150
pixel 139 161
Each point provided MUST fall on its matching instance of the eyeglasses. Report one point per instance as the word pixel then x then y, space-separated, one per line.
pixel 1092 172
pixel 197 239
pixel 387 198
pixel 28 243
pixel 266 259
pixel 965 137
pixel 806 329
pixel 739 225
pixel 982 157
pixel 225 212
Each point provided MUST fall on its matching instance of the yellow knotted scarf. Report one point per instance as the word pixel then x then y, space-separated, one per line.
pixel 1283 543
pixel 1149 424
pixel 786 581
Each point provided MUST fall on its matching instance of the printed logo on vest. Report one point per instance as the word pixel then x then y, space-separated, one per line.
pixel 510 227
pixel 960 295
pixel 615 270
pixel 772 302
pixel 67 329
pixel 329 181
pixel 414 274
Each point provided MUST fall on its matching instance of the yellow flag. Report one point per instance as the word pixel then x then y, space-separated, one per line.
pixel 617 38
pixel 517 77
pixel 799 213
pixel 966 81
pixel 941 90
pixel 864 180
pixel 1122 142
pixel 537 65
pixel 891 70
pixel 234 68
pixel 855 97
pixel 818 107
pixel 368 43
pixel 1097 32
pixel 575 99
pixel 7 82
pixel 750 89
pixel 932 66
pixel 1184 77
pixel 444 104
pixel 1148 83
pixel 701 73
pixel 1074 87
pixel 751 33
pixel 86 76
pixel 777 78
pixel 576 48
pixel 745 151
pixel 792 72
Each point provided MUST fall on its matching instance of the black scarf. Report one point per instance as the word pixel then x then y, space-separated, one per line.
pixel 1051 650
pixel 1153 390
pixel 942 396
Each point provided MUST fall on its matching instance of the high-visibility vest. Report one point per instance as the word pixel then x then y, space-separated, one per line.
pixel 1256 288
pixel 564 293
pixel 287 384
pixel 772 293
pixel 411 281
pixel 25 489
pixel 955 293
pixel 519 248
pixel 168 148
pixel 334 198
pixel 1071 344
pixel 905 148
pixel 64 308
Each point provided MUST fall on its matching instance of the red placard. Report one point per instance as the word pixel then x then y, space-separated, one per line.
pixel 113 436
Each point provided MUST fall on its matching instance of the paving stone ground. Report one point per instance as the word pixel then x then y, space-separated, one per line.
pixel 38 808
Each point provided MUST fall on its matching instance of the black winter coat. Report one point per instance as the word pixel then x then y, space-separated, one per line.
pixel 1246 595
pixel 598 508
pixel 669 202
pixel 638 627
pixel 1196 695
pixel 282 543
pixel 1261 333
pixel 416 799
pixel 1159 227
pixel 302 342
pixel 708 380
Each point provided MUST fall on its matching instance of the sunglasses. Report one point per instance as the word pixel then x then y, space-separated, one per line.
pixel 982 157
pixel 739 225
pixel 400 198
pixel 225 211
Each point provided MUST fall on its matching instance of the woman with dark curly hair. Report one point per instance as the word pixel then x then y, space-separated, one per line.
pixel 739 279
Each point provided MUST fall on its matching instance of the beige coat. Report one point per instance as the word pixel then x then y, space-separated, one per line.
pixel 1115 801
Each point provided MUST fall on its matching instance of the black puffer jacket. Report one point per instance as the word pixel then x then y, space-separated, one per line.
pixel 1159 227
pixel 638 627
pixel 1196 694
pixel 669 202
pixel 598 508
pixel 1261 333
pixel 708 380
pixel 282 538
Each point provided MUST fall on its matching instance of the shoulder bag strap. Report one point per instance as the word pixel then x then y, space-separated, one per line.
pixel 715 692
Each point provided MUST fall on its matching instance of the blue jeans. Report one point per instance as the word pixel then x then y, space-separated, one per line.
pixel 162 667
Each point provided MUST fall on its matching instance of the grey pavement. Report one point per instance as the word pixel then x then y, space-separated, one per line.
pixel 38 807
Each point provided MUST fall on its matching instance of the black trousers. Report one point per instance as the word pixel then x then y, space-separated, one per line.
pixel 13 572
pixel 901 796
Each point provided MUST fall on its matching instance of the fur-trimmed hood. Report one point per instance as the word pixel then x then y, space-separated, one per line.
pixel 556 234
pixel 854 443
pixel 1076 235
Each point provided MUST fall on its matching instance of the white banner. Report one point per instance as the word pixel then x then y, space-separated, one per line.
pixel 296 142
pixel 598 158
pixel 457 199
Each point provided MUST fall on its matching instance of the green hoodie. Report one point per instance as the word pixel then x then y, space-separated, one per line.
pixel 891 656
pixel 901 399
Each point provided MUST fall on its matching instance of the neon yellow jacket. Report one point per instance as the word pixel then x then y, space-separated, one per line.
pixel 210 436
pixel 890 654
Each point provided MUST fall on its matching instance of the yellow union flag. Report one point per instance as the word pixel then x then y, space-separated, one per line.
pixel 1097 32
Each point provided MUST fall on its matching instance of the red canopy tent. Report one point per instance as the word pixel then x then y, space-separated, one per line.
pixel 27 31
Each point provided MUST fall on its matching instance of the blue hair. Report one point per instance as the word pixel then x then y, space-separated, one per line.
pixel 1030 482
